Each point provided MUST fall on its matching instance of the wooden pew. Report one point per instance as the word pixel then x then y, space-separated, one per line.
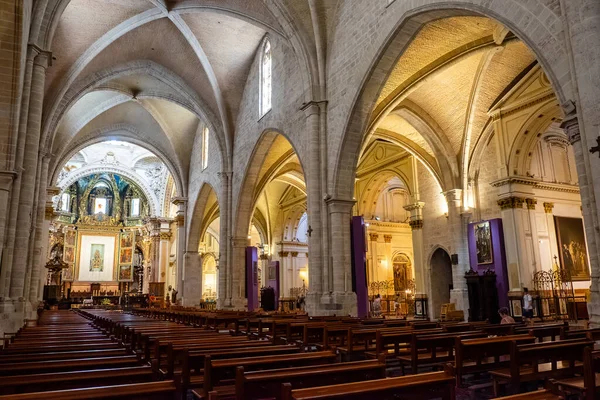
pixel 138 391
pixel 256 385
pixel 532 362
pixel 433 349
pixel 421 386
pixel 395 343
pixel 74 379
pixel 587 386
pixel 487 354
pixel 363 340
pixel 195 360
pixel 65 355
pixel 222 372
pixel 36 367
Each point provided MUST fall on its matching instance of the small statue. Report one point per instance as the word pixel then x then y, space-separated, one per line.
pixel 174 296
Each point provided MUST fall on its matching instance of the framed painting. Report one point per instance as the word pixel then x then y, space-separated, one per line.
pixel 572 248
pixel 67 274
pixel 125 273
pixel 126 239
pixel 516 308
pixel 483 243
pixel 97 258
pixel 70 237
pixel 126 256
pixel 69 255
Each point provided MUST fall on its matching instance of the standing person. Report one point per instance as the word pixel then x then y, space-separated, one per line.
pixel 506 319
pixel 527 307
pixel 377 306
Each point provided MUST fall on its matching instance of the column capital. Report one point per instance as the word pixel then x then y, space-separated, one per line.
pixel 52 191
pixel 179 201
pixel 33 50
pixel 416 224
pixel 294 254
pixel 570 122
pixel 340 205
pixel 6 180
pixel 454 196
pixel 387 238
pixel 373 237
pixel 414 206
pixel 313 107
pixel 548 207
pixel 531 203
pixel 511 202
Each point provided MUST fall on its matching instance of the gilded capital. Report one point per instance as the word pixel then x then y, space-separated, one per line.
pixel 511 202
pixel 531 203
pixel 387 238
pixel 373 237
pixel 548 207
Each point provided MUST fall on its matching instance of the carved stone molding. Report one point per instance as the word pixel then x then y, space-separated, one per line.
pixel 387 238
pixel 165 235
pixel 548 207
pixel 511 202
pixel 416 224
pixel 531 203
pixel 570 123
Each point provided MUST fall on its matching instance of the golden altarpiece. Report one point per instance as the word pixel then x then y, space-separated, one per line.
pixel 102 230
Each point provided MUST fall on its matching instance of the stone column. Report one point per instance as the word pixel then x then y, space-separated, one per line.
pixel 458 231
pixel 6 183
pixel 12 210
pixel 571 126
pixel 224 284
pixel 387 239
pixel 536 262
pixel 548 209
pixel 518 263
pixel 238 278
pixel 192 282
pixel 318 269
pixel 30 162
pixel 373 250
pixel 181 203
pixel 416 225
pixel 342 300
pixel 294 275
pixel 164 253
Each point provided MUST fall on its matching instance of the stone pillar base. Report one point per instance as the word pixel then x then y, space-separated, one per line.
pixel 13 314
pixel 239 304
pixel 460 297
pixel 329 304
pixel 594 305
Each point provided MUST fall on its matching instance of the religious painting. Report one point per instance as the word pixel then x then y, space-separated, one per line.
pixel 125 273
pixel 97 259
pixel 69 255
pixel 402 272
pixel 572 247
pixel 272 272
pixel 517 308
pixel 483 243
pixel 70 235
pixel 127 239
pixel 67 274
pixel 126 256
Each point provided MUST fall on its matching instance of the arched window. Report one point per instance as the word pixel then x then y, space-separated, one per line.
pixel 265 78
pixel 135 207
pixel 65 202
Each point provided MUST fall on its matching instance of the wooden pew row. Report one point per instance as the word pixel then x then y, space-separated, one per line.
pixel 484 354
pixel 433 350
pixel 219 374
pixel 255 385
pixel 421 386
pixel 138 391
pixel 539 361
pixel 193 364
